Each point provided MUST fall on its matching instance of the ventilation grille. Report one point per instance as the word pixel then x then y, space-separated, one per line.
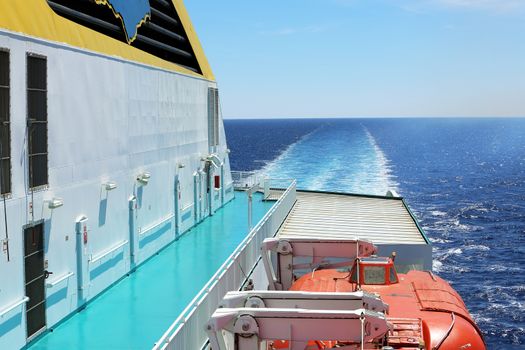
pixel 213 117
pixel 162 35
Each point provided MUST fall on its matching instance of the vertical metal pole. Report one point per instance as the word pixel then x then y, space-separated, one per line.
pixel 176 205
pixel 266 188
pixel 133 238
pixel 83 279
pixel 250 199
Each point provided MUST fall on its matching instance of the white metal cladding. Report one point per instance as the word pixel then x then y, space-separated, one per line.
pixel 188 332
pixel 323 215
pixel 109 121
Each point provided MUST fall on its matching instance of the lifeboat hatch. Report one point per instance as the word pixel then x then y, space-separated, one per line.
pixel 406 333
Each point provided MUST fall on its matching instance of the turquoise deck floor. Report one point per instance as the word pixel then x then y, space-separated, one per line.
pixel 135 312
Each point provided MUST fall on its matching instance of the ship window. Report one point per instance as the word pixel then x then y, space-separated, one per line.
pixel 5 132
pixel 161 35
pixel 213 117
pixel 393 277
pixel 374 274
pixel 37 119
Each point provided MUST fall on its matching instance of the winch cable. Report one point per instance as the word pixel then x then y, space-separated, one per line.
pixel 242 270
pixel 362 318
pixel 438 346
pixel 4 198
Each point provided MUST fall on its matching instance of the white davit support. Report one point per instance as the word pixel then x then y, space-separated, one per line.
pixel 311 253
pixel 297 318
pixel 304 300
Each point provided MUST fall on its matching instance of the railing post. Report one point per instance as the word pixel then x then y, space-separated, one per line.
pixel 266 188
pixel 250 203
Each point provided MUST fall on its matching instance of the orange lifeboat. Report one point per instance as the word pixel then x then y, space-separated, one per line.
pixel 424 310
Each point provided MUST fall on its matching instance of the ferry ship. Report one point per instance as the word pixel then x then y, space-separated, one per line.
pixel 123 227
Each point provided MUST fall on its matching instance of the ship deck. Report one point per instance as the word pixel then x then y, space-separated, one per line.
pixel 329 215
pixel 385 221
pixel 138 309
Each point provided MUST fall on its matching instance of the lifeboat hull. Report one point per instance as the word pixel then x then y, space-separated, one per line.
pixel 425 310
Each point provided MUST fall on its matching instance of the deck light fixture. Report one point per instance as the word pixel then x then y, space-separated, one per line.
pixel 55 203
pixel 144 178
pixel 110 185
pixel 214 160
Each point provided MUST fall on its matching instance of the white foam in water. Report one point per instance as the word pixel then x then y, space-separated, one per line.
pixel 479 247
pixel 438 240
pixel 342 160
pixel 437 265
pixel 385 171
pixel 274 167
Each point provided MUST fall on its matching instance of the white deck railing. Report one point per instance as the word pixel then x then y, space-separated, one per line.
pixel 245 179
pixel 187 332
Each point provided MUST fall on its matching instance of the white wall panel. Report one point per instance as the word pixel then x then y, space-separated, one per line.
pixel 109 120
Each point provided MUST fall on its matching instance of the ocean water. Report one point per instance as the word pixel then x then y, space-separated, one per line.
pixel 463 178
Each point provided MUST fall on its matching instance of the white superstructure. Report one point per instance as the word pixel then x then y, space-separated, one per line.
pixel 132 154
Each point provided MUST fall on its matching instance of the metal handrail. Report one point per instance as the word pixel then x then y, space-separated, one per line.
pixel 243 179
pixel 198 299
pixel 14 306
pixel 58 280
pixel 189 206
pixel 156 224
pixel 102 255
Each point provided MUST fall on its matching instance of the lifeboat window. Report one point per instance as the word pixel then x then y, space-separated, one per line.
pixel 393 277
pixel 5 136
pixel 374 274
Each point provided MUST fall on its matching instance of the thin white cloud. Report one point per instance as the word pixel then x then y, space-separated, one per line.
pixel 494 6
pixel 294 30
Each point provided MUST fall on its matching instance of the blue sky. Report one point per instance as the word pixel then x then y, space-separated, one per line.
pixel 344 58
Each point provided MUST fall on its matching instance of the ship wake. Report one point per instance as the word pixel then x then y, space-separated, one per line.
pixel 338 158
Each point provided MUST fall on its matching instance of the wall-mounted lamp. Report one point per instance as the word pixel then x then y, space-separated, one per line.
pixel 181 165
pixel 228 150
pixel 55 203
pixel 144 178
pixel 110 185
pixel 214 160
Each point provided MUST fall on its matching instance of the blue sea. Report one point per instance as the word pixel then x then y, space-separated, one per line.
pixel 463 178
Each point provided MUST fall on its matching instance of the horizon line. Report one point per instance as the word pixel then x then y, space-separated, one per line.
pixel 380 117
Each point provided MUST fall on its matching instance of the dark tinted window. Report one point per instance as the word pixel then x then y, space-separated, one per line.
pixel 37 119
pixel 374 274
pixel 5 132
pixel 393 278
